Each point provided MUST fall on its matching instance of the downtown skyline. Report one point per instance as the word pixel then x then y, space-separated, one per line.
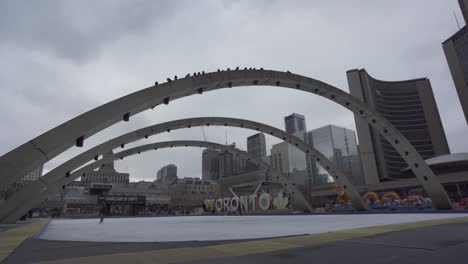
pixel 96 74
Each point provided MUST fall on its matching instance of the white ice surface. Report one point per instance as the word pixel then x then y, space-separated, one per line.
pixel 192 228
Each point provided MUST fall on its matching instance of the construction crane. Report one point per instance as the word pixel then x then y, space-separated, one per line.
pixel 203 132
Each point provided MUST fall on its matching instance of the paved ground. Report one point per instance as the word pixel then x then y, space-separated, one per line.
pixel 214 228
pixel 437 244
pixel 34 250
pixel 11 236
pixel 5 227
pixel 434 241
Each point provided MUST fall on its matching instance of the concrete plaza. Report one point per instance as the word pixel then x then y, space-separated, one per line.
pixel 432 238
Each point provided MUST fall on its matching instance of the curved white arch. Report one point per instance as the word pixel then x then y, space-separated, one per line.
pixel 62 171
pixel 32 154
pixel 40 194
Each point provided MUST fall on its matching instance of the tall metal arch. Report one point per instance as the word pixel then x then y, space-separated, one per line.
pixel 32 154
pixel 40 193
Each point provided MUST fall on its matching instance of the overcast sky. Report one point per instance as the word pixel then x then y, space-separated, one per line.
pixel 60 59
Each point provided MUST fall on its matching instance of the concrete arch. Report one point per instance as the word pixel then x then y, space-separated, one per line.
pixel 39 193
pixel 64 170
pixel 32 154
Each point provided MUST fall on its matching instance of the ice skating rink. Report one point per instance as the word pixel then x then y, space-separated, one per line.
pixel 209 228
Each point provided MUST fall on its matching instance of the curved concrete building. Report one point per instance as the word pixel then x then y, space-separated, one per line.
pixel 456 53
pixel 410 106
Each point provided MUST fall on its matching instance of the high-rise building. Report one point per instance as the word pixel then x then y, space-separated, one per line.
pixel 230 164
pixel 295 124
pixel 168 171
pixel 410 106
pixel 288 159
pixel 456 53
pixel 464 8
pixel 256 146
pixel 210 164
pixel 339 145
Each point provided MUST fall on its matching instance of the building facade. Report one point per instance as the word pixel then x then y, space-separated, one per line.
pixel 295 124
pixel 154 192
pixel 210 164
pixel 410 106
pixel 289 160
pixel 451 171
pixel 230 164
pixel 191 192
pixel 106 173
pixel 256 146
pixel 456 53
pixel 122 198
pixel 339 145
pixel 168 171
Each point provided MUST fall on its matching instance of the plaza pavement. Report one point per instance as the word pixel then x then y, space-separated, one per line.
pixel 431 241
pixel 11 236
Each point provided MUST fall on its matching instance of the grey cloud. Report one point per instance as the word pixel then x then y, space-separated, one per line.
pixel 76 30
pixel 99 51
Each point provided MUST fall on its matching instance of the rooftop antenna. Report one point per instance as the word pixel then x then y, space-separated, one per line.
pixel 455 15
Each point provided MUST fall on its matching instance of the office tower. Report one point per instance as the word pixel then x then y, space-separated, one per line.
pixel 230 164
pixel 456 53
pixel 464 8
pixel 295 124
pixel 339 145
pixel 168 171
pixel 256 146
pixel 410 106
pixel 289 159
pixel 210 164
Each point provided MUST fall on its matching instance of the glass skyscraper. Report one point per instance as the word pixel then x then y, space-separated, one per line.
pixel 286 157
pixel 295 124
pixel 256 146
pixel 339 145
pixel 167 171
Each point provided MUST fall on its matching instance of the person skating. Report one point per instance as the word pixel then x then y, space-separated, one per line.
pixel 102 213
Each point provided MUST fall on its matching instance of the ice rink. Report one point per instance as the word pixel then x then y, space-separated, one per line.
pixel 204 228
